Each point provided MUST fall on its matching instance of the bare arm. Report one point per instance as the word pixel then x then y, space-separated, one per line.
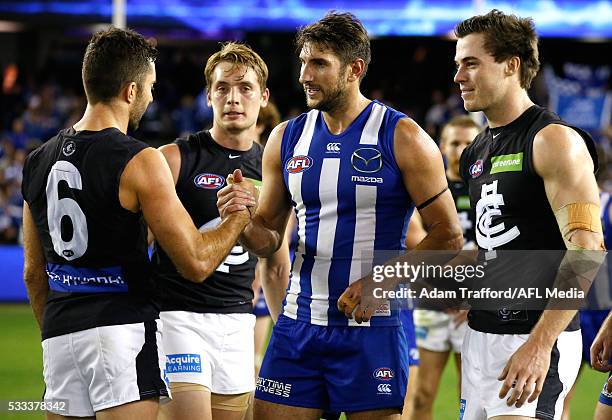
pixel 264 235
pixel 275 275
pixel 422 168
pixel 561 158
pixel 34 274
pixel 172 154
pixel 147 184
pixel 416 231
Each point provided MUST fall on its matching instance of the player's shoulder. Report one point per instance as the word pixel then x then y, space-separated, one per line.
pixel 194 140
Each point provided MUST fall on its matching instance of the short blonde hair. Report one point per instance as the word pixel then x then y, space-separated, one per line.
pixel 464 121
pixel 238 55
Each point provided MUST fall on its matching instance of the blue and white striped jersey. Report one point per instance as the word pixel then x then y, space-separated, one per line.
pixel 350 200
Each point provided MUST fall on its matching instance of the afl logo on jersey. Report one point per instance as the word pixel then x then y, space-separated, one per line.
pixel 298 164
pixel 383 374
pixel 209 181
pixel 477 168
pixel 68 148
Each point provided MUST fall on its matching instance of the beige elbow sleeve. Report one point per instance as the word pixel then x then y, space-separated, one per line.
pixel 578 216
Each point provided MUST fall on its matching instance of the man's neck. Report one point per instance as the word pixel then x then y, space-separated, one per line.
pixel 508 110
pixel 102 115
pixel 239 141
pixel 338 120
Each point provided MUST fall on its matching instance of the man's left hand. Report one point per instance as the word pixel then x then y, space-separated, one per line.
pixel 358 300
pixel 525 373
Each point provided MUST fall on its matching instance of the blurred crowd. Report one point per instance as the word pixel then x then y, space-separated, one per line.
pixel 35 106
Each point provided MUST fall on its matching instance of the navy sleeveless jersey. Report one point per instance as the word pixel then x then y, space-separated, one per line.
pixel 350 200
pixel 461 195
pixel 512 211
pixel 204 166
pixel 96 251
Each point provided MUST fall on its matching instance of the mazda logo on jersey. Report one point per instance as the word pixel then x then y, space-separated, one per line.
pixel 209 181
pixel 383 374
pixel 298 164
pixel 366 160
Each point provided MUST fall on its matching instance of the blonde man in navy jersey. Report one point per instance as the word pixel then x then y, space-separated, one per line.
pixel 352 170
pixel 88 193
pixel 532 184
pixel 209 327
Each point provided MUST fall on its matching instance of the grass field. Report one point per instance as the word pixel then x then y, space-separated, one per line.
pixel 21 371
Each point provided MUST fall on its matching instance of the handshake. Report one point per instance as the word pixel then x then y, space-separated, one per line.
pixel 238 197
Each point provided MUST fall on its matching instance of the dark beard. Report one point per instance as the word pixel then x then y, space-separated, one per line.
pixel 134 120
pixel 133 124
pixel 332 101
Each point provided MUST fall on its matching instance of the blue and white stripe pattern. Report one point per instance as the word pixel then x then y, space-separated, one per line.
pixel 350 200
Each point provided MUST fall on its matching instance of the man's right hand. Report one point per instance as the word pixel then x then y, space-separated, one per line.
pixel 238 195
pixel 601 349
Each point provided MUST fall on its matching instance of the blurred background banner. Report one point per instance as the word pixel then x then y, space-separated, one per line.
pixel 577 18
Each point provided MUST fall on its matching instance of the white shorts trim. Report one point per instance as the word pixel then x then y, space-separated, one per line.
pixel 214 350
pixel 104 367
pixel 483 358
pixel 436 331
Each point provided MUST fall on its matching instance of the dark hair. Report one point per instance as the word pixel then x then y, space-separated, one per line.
pixel 342 33
pixel 114 58
pixel 506 36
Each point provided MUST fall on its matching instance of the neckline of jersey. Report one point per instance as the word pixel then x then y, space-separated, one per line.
pixel 227 149
pixel 497 130
pixel 71 132
pixel 353 123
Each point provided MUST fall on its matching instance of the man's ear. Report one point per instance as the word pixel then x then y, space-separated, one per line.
pixel 265 96
pixel 513 66
pixel 356 69
pixel 130 92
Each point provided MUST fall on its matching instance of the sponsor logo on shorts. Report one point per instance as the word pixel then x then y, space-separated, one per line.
pixel 476 169
pixel 183 363
pixel 384 389
pixel 209 181
pixel 384 374
pixel 605 392
pixel 462 405
pixel 421 332
pixel 298 164
pixel 273 387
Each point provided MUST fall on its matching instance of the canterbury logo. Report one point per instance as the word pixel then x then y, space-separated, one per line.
pixel 333 147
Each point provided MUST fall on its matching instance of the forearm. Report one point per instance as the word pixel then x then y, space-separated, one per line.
pixel 442 236
pixel 274 282
pixel 38 289
pixel 260 240
pixel 550 325
pixel 217 244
